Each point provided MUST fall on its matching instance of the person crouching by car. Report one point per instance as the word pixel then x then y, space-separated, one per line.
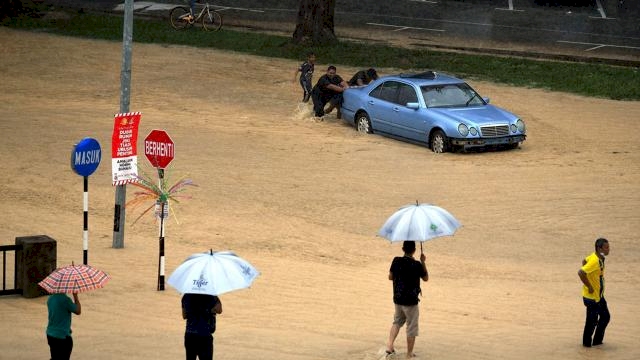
pixel 363 77
pixel 328 89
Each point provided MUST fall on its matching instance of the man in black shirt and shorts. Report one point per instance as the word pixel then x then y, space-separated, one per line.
pixel 406 272
pixel 328 89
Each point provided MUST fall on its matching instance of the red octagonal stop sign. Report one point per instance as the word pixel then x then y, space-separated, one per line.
pixel 158 148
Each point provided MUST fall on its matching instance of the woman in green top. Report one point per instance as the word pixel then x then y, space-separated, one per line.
pixel 59 338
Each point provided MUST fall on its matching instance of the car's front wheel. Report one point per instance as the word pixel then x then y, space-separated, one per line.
pixel 439 142
pixel 363 123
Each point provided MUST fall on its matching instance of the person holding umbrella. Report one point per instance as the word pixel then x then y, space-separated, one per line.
pixel 202 277
pixel 406 272
pixel 410 223
pixel 60 308
pixel 72 279
pixel 200 311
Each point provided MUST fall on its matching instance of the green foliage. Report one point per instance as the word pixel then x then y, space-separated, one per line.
pixel 596 80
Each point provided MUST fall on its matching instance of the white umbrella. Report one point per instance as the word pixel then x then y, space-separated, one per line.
pixel 213 273
pixel 419 222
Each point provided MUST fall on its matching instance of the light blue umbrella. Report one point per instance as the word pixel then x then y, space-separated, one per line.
pixel 419 222
pixel 213 273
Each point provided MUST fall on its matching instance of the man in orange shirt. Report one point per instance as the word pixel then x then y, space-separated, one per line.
pixel 592 275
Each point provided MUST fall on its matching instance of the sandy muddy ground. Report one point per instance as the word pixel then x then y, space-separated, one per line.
pixel 303 201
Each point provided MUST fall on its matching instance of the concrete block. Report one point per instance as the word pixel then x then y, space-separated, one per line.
pixel 34 262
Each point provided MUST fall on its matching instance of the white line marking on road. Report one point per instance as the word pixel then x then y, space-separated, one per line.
pixel 597 46
pixel 146 6
pixel 508 27
pixel 505 9
pixel 400 28
pixel 222 8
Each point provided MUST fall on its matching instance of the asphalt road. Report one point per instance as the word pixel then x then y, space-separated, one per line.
pixel 601 30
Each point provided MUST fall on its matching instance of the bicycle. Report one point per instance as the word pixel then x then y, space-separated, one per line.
pixel 181 17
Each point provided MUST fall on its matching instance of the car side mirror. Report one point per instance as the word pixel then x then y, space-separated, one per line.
pixel 413 105
pixel 486 100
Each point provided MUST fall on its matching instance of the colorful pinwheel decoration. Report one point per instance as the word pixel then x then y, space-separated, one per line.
pixel 158 193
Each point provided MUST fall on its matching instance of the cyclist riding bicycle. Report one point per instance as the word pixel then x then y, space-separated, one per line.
pixel 182 16
pixel 191 17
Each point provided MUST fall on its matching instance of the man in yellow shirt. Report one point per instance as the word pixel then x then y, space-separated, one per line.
pixel 592 275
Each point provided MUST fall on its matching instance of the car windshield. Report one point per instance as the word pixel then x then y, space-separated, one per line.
pixel 450 95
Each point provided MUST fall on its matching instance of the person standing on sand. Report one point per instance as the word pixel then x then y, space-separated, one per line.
pixel 406 272
pixel 592 276
pixel 58 330
pixel 200 311
pixel 306 76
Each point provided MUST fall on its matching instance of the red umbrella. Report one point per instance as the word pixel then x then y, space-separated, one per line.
pixel 74 279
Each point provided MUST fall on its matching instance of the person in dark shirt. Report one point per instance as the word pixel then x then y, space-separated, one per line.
pixel 200 311
pixel 363 77
pixel 306 76
pixel 328 89
pixel 406 272
pixel 60 307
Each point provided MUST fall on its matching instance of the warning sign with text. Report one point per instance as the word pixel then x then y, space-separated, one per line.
pixel 124 152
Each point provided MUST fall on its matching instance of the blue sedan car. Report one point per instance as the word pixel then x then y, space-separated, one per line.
pixel 431 108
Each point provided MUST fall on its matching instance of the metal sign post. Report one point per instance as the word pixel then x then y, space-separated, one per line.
pixel 85 159
pixel 159 150
pixel 163 208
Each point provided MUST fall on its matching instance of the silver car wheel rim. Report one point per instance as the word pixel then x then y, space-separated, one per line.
pixel 363 125
pixel 438 144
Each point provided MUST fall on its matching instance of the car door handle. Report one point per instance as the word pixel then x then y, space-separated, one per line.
pixel 371 102
pixel 396 109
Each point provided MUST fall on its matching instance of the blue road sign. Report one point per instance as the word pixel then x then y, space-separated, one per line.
pixel 86 156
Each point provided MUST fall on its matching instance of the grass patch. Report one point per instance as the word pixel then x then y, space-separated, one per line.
pixel 594 80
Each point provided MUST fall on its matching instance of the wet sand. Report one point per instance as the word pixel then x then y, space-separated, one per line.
pixel 302 201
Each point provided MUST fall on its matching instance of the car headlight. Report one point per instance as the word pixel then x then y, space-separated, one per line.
pixel 513 128
pixel 520 125
pixel 463 130
pixel 473 131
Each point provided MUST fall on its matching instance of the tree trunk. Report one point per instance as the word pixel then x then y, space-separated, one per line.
pixel 315 22
pixel 10 8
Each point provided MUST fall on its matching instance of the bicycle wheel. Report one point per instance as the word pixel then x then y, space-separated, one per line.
pixel 177 17
pixel 212 20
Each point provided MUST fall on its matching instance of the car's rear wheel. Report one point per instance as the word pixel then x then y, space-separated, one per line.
pixel 363 123
pixel 439 142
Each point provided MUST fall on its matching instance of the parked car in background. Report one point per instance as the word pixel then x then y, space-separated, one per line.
pixel 431 108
